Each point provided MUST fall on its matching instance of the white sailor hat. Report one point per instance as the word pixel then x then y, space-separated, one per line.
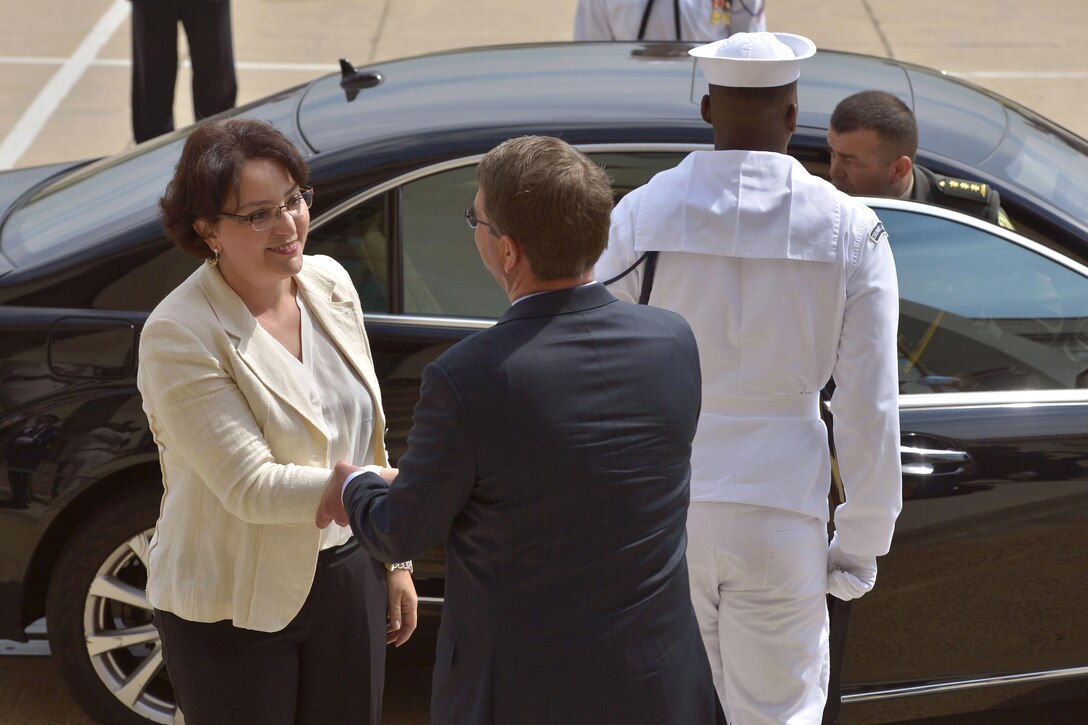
pixel 753 60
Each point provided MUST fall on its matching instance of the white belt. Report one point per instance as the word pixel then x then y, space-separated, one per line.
pixel 805 405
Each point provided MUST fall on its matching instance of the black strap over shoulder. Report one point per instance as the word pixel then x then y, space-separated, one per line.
pixel 646 18
pixel 647 276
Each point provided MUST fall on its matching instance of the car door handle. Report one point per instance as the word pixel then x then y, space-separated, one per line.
pixel 918 461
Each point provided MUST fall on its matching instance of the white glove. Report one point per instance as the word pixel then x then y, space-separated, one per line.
pixel 848 576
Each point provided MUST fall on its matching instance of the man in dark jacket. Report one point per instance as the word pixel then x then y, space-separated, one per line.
pixel 551 454
pixel 873 139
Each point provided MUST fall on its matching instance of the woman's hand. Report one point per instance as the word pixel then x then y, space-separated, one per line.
pixel 403 603
pixel 331 507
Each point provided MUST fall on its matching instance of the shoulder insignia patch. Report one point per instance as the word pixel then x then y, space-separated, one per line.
pixel 878 232
pixel 963 189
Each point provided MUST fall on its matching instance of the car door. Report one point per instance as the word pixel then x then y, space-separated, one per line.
pixel 986 575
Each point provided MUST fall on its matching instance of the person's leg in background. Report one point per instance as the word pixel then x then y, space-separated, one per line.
pixel 154 67
pixel 211 52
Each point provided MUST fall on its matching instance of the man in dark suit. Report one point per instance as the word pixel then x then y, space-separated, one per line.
pixel 551 454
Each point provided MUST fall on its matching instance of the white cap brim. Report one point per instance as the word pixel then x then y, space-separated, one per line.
pixel 732 62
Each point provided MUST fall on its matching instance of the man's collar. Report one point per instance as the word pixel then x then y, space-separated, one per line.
pixel 544 292
pixel 559 302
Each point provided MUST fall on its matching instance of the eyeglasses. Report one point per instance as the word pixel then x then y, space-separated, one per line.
pixel 475 221
pixel 263 219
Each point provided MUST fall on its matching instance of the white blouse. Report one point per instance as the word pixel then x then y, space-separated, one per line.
pixel 335 390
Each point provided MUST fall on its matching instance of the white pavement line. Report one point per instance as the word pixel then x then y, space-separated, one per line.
pixel 30 60
pixel 118 62
pixel 125 62
pixel 1021 74
pixel 318 67
pixel 30 124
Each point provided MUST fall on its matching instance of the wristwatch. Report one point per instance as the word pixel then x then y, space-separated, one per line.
pixel 402 565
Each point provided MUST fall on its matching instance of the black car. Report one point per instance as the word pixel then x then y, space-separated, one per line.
pixel 980 602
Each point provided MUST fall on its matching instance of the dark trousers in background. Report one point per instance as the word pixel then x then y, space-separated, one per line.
pixel 155 61
pixel 326 666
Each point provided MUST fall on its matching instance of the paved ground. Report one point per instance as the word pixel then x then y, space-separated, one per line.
pixel 32 692
pixel 64 94
pixel 64 78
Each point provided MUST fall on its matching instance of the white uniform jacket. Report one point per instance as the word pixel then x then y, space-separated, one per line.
pixel 786 282
pixel 243 448
pixel 620 20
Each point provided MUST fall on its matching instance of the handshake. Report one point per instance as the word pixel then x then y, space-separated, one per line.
pixel 331 507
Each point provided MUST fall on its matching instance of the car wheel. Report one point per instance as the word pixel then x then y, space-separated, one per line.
pixel 99 620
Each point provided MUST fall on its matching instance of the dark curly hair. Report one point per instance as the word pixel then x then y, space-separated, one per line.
pixel 209 173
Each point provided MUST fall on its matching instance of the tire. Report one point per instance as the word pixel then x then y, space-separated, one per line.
pixel 99 620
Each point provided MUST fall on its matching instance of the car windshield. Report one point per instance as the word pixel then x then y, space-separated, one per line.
pixel 93 204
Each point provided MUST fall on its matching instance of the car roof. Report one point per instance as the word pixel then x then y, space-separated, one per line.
pixel 431 108
pixel 463 102
pixel 623 86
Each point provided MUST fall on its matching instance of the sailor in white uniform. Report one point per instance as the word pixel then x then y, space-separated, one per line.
pixel 787 282
pixel 694 20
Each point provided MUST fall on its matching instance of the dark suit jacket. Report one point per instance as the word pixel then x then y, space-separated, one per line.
pixel 551 454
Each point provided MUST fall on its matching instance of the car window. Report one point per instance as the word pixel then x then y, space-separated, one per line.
pixel 442 272
pixel 359 240
pixel 628 171
pixel 979 312
pixel 144 283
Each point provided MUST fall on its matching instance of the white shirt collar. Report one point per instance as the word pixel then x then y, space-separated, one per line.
pixel 534 294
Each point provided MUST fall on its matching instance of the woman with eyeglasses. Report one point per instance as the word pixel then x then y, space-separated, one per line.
pixel 257 377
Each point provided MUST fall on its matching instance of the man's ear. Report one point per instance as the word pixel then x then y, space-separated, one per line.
pixel 511 251
pixel 791 117
pixel 902 168
pixel 704 109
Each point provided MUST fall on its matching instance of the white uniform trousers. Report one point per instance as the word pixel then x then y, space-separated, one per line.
pixel 758 582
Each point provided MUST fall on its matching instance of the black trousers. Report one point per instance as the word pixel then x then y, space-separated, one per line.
pixel 155 61
pixel 326 666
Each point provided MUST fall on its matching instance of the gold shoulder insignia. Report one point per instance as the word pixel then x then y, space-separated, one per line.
pixel 963 188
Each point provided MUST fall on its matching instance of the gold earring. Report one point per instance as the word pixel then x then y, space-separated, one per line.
pixel 214 259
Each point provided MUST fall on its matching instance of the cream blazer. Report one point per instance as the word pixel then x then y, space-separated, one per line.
pixel 243 449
